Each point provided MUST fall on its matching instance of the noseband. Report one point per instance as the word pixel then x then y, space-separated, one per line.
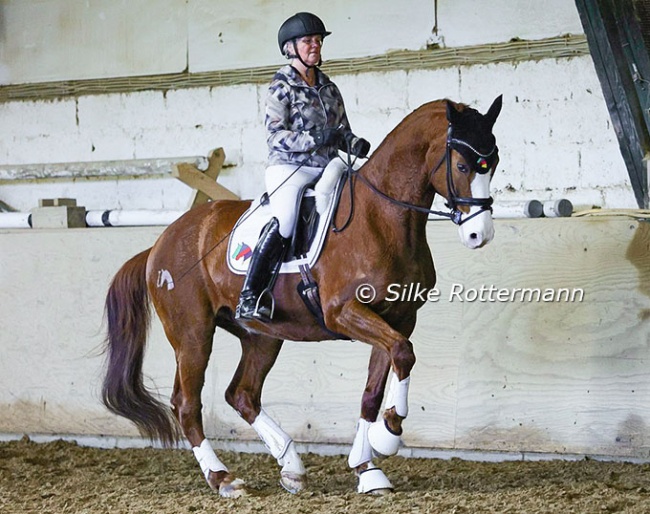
pixel 453 200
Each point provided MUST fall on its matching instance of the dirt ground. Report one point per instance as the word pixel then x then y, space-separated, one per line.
pixel 61 477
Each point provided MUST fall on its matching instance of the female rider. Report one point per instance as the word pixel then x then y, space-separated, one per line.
pixel 306 125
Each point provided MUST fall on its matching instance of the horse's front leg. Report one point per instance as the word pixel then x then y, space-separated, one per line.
pixel 371 479
pixel 391 349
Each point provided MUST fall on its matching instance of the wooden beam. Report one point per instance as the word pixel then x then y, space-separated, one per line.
pixel 4 207
pixel 615 44
pixel 205 182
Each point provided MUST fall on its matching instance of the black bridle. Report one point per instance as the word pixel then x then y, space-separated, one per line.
pixel 453 199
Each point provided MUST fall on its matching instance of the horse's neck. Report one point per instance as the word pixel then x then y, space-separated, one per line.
pixel 399 169
pixel 405 181
pixel 399 165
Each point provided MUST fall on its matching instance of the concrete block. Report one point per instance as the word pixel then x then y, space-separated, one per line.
pixel 57 202
pixel 601 168
pixel 231 106
pixel 382 92
pixel 427 85
pixel 30 119
pixel 62 216
pixel 254 145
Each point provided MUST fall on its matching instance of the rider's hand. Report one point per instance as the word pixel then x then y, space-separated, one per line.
pixel 360 147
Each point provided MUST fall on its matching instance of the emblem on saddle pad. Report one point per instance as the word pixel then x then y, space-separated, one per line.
pixel 243 251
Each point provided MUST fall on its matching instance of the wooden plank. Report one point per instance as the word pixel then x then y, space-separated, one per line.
pixel 5 207
pixel 95 170
pixel 205 182
pixel 559 376
pixel 565 377
pixel 57 202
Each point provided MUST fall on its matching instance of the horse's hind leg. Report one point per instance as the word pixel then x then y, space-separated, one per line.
pixel 244 395
pixel 192 344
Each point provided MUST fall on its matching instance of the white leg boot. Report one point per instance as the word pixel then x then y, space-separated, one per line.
pixel 282 447
pixel 372 479
pixel 381 438
pixel 209 462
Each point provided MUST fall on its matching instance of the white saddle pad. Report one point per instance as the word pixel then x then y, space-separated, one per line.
pixel 249 227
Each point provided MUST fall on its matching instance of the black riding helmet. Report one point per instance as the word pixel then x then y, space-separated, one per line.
pixel 299 25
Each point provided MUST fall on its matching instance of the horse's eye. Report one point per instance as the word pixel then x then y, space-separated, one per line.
pixel 462 168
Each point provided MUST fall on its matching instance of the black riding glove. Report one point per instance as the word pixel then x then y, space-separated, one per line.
pixel 358 146
pixel 326 137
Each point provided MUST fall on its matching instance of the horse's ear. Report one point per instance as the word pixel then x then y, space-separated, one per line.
pixel 453 115
pixel 494 110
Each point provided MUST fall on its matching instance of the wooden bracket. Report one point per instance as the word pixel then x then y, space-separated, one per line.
pixel 205 182
pixel 4 207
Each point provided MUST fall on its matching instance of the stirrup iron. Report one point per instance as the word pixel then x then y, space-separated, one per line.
pixel 260 311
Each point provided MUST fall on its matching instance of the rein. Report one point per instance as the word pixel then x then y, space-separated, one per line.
pixel 453 201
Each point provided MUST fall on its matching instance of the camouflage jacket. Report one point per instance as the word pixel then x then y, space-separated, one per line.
pixel 293 109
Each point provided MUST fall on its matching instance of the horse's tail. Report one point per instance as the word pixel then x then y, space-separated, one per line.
pixel 128 314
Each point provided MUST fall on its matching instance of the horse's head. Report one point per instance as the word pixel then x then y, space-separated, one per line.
pixel 471 158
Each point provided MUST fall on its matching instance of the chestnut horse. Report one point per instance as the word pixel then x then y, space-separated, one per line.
pixel 441 147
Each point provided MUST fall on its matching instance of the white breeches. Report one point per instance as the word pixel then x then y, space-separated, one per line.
pixel 284 183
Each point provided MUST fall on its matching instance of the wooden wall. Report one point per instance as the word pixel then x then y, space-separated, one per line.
pixel 515 376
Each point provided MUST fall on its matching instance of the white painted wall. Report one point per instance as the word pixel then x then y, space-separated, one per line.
pixel 44 40
pixel 554 134
pixel 475 22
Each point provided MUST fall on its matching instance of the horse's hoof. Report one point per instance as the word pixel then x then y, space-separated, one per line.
pixel 372 480
pixel 293 482
pixel 380 492
pixel 234 489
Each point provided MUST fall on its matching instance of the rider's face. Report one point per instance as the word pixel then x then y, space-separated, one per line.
pixel 309 47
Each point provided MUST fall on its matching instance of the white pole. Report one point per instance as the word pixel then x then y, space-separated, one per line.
pixel 15 220
pixel 136 218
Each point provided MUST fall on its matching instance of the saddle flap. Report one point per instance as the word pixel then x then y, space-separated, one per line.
pixel 310 238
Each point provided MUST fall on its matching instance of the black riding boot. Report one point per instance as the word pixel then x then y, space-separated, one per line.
pixel 268 253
